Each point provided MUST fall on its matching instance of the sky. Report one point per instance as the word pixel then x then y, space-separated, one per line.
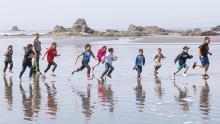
pixel 109 14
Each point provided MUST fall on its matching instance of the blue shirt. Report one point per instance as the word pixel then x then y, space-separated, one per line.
pixel 86 56
pixel 140 60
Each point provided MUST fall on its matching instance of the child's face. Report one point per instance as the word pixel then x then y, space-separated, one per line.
pixel 104 48
pixel 159 50
pixel 207 41
pixel 10 48
pixel 30 48
pixel 88 48
pixel 140 52
pixel 186 50
pixel 54 46
pixel 111 52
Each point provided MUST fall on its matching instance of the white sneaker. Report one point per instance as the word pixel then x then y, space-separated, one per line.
pixel 173 76
pixel 185 75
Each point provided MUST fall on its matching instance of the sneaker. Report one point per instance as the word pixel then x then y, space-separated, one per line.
pixel 73 72
pixel 194 65
pixel 185 75
pixel 109 75
pixel 173 75
pixel 138 78
pixel 53 75
pixel 155 72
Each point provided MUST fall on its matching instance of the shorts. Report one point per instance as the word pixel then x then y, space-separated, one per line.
pixel 182 66
pixel 204 60
pixel 157 64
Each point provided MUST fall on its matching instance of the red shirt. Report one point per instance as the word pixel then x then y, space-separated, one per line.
pixel 51 53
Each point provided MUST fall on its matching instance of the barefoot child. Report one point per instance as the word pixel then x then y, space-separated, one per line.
pixel 203 55
pixel 182 57
pixel 51 53
pixel 85 60
pixel 108 63
pixel 100 54
pixel 139 62
pixel 157 60
pixel 8 59
pixel 27 61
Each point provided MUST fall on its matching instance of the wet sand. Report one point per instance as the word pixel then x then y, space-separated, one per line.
pixel 66 98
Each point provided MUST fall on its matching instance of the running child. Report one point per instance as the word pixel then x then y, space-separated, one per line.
pixel 51 53
pixel 157 60
pixel 85 60
pixel 182 57
pixel 27 61
pixel 139 62
pixel 108 63
pixel 8 59
pixel 100 54
pixel 203 55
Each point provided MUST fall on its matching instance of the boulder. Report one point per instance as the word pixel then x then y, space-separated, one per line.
pixel 58 28
pixel 209 33
pixel 15 28
pixel 217 28
pixel 194 32
pixel 81 26
pixel 133 28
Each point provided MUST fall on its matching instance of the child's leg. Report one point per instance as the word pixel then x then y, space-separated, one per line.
pixel 54 66
pixel 88 68
pixel 178 69
pixel 206 68
pixel 105 72
pixel 24 66
pixel 187 67
pixel 111 70
pixel 96 65
pixel 48 67
pixel 6 66
pixel 11 65
pixel 31 69
pixel 139 70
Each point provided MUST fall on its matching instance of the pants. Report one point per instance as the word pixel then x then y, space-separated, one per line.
pixel 49 65
pixel 108 69
pixel 139 70
pixel 85 65
pixel 6 65
pixel 25 65
pixel 36 62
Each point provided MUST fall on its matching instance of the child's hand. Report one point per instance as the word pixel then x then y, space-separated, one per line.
pixel 43 58
pixel 210 54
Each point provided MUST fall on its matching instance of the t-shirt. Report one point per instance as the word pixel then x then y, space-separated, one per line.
pixel 140 60
pixel 182 57
pixel 109 58
pixel 29 54
pixel 204 49
pixel 86 56
pixel 158 57
pixel 100 54
pixel 8 56
pixel 37 45
pixel 51 53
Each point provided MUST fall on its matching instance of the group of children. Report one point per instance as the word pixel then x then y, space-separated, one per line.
pixel 107 59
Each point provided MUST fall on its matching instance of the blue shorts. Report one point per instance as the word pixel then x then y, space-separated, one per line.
pixel 182 66
pixel 204 60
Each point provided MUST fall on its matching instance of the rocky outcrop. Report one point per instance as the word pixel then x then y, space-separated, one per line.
pixel 58 28
pixel 194 32
pixel 81 26
pixel 147 30
pixel 15 28
pixel 209 33
pixel 217 28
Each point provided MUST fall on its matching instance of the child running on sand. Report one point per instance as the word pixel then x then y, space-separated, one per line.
pixel 108 63
pixel 8 59
pixel 139 62
pixel 157 60
pixel 182 57
pixel 100 54
pixel 27 61
pixel 85 60
pixel 51 53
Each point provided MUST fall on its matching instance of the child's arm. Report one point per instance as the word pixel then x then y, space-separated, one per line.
pixel 45 55
pixel 78 58
pixel 143 61
pixel 177 58
pixel 190 56
pixel 155 57
pixel 136 61
pixel 93 56
pixel 114 58
pixel 7 51
pixel 163 56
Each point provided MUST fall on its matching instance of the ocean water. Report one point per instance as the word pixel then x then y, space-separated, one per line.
pixel 121 99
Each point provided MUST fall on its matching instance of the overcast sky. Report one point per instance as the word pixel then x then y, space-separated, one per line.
pixel 102 14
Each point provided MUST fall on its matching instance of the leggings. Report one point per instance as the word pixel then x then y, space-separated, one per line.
pixel 6 65
pixel 85 65
pixel 24 66
pixel 49 65
pixel 108 69
pixel 139 70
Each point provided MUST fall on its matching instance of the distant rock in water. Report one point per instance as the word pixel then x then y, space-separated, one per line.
pixel 217 28
pixel 15 28
pixel 194 32
pixel 209 33
pixel 81 26
pixel 58 28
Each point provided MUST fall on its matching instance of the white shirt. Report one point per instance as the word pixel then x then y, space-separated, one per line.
pixel 109 58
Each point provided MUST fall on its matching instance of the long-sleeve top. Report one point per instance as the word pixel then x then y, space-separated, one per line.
pixel 140 60
pixel 109 58
pixel 158 57
pixel 182 57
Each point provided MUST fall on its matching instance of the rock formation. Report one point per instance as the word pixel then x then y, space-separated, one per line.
pixel 217 28
pixel 15 28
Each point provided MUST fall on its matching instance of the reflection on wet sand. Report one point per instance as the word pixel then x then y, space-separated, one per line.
pixel 182 97
pixel 157 87
pixel 140 96
pixel 204 100
pixel 87 107
pixel 8 91
pixel 105 95
pixel 31 103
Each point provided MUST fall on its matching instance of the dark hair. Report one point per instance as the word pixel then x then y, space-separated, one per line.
pixel 29 45
pixel 159 49
pixel 104 47
pixel 53 43
pixel 140 50
pixel 10 46
pixel 207 38
pixel 87 45
pixel 110 49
